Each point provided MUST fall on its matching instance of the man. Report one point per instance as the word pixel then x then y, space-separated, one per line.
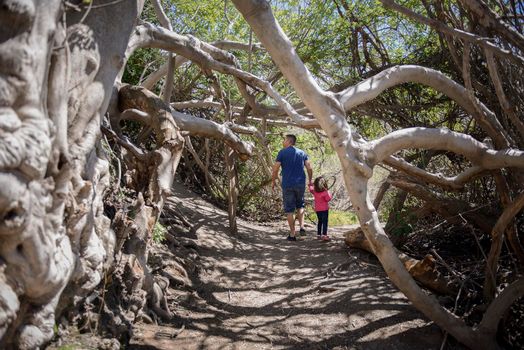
pixel 292 160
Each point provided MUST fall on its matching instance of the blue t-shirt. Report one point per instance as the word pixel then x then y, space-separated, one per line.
pixel 292 161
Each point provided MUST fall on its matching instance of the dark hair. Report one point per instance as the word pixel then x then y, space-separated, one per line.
pixel 320 184
pixel 292 138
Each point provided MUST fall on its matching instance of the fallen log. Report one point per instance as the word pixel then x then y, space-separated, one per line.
pixel 424 271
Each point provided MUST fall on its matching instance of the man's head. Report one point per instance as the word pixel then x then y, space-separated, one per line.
pixel 289 140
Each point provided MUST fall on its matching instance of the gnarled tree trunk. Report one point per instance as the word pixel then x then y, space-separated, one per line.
pixel 54 89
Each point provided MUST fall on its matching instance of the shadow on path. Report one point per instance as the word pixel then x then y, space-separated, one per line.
pixel 259 291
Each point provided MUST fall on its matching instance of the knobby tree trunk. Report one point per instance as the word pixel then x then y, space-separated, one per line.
pixel 57 70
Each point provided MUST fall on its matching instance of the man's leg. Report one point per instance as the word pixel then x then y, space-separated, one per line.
pixel 300 206
pixel 291 223
pixel 289 208
pixel 300 215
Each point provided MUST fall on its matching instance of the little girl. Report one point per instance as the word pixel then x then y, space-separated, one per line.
pixel 322 197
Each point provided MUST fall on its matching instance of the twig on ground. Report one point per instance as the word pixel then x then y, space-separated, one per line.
pixel 264 283
pixel 454 310
pixel 164 334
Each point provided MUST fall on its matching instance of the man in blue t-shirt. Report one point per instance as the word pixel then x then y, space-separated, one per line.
pixel 292 160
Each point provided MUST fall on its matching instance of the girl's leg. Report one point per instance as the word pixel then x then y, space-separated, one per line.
pixel 319 222
pixel 325 223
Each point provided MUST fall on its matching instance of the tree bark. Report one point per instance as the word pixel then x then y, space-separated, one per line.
pixel 327 109
pixel 52 232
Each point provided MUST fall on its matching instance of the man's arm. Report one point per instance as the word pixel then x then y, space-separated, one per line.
pixel 309 171
pixel 274 175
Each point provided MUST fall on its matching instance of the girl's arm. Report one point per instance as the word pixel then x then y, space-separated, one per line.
pixel 311 188
pixel 327 196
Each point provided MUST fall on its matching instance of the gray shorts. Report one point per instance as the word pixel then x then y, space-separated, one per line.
pixel 293 198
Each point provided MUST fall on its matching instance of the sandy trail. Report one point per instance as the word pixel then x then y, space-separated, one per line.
pixel 259 291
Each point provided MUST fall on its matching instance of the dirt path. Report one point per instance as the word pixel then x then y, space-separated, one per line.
pixel 259 291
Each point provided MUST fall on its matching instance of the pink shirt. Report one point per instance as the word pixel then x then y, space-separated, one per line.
pixel 321 199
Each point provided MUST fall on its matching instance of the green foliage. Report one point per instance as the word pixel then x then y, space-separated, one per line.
pixel 334 39
pixel 402 226
pixel 336 217
pixel 142 59
pixel 159 233
pixel 340 218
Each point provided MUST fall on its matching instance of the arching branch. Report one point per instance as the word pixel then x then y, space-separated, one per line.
pixel 370 88
pixel 497 235
pixel 155 76
pixel 135 97
pixel 209 57
pixel 450 183
pixel 500 305
pixel 444 139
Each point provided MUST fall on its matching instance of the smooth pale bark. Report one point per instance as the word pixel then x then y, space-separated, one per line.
pixel 210 58
pixel 329 111
pixel 370 88
pixel 444 139
pixel 450 183
pixel 155 76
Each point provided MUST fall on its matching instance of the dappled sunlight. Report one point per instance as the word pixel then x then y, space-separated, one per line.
pixel 248 298
pixel 257 290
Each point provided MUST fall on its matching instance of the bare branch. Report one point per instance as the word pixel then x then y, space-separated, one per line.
pixel 469 37
pixel 499 306
pixel 148 102
pixel 450 183
pixel 168 85
pixel 450 208
pixel 124 142
pixel 497 235
pixel 209 57
pixel 370 88
pixel 444 139
pixel 135 115
pixel 154 77
pixel 499 89
pixel 209 177
pixel 489 19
